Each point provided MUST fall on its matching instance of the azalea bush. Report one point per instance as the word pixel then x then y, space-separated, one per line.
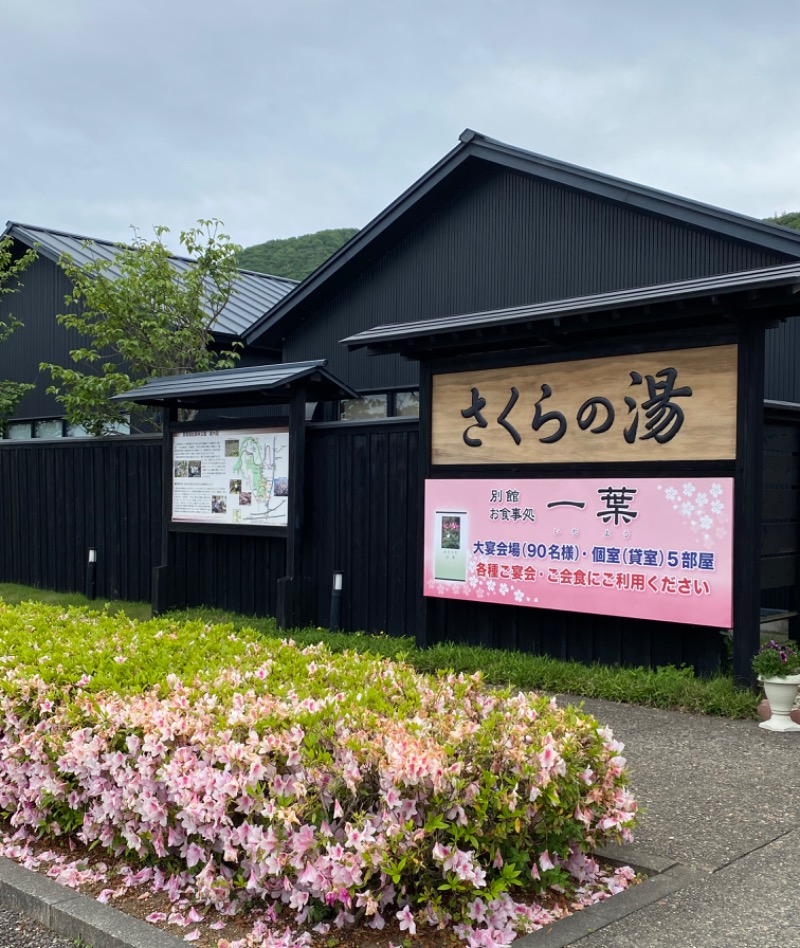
pixel 328 789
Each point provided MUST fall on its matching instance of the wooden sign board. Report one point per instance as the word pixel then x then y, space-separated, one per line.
pixel 654 406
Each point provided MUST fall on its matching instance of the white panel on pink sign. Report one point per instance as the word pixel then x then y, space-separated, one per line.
pixel 648 548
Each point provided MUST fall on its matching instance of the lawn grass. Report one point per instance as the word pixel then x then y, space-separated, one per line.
pixel 665 687
pixel 14 593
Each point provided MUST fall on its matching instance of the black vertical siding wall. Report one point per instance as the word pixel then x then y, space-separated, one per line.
pixel 60 498
pixel 40 338
pixel 780 543
pixel 363 519
pixel 576 636
pixel 782 365
pixel 502 239
pixel 239 574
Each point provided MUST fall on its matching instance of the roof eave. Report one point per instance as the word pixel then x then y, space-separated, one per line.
pixel 776 290
pixel 206 389
pixel 18 232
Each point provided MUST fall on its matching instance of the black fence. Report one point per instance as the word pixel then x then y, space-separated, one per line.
pixel 61 498
pixel 363 519
pixel 239 574
pixel 780 531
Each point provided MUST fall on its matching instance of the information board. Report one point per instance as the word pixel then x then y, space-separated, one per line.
pixel 231 477
pixel 650 548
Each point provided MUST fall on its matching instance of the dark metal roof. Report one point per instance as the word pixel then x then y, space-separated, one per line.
pixel 256 385
pixel 708 293
pixel 474 146
pixel 253 295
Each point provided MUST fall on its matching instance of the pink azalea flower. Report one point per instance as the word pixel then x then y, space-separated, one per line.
pixel 406 920
pixel 194 855
pixel 477 910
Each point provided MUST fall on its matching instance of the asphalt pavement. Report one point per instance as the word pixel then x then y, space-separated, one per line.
pixel 720 804
pixel 20 931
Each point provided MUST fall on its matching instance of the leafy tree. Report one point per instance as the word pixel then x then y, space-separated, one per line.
pixel 11 269
pixel 790 219
pixel 295 257
pixel 143 315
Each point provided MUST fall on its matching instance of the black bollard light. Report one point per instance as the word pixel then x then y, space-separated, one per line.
pixel 91 574
pixel 336 600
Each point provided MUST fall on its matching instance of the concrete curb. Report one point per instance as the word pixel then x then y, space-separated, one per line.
pixel 664 877
pixel 72 915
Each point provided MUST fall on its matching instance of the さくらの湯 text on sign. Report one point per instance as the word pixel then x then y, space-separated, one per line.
pixel 664 406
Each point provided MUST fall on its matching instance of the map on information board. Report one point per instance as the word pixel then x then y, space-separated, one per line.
pixel 231 477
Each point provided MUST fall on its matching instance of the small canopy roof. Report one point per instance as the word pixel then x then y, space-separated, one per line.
pixel 256 385
pixel 771 293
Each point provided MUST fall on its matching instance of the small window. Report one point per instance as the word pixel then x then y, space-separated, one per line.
pixel 368 408
pixel 18 431
pixel 48 428
pixel 120 427
pixel 406 404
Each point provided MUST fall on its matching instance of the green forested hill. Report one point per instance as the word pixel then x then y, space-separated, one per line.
pixel 295 257
pixel 792 219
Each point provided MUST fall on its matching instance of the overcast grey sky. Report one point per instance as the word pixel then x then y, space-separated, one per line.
pixel 282 117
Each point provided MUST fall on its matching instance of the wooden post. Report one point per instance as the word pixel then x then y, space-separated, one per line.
pixel 423 616
pixel 747 501
pixel 162 591
pixel 293 592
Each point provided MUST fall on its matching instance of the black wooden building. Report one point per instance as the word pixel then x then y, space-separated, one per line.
pixel 493 226
pixel 42 339
pixel 490 227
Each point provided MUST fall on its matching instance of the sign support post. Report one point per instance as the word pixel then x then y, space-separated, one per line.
pixel 162 593
pixel 748 494
pixel 293 589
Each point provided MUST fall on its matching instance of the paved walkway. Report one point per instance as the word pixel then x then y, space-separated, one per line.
pixel 20 931
pixel 723 798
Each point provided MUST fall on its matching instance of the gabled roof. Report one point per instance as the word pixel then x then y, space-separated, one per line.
pixel 773 291
pixel 476 147
pixel 255 385
pixel 254 294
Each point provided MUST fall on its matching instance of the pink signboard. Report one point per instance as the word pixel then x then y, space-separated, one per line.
pixel 649 548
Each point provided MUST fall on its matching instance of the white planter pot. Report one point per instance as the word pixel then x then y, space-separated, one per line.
pixel 781 693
